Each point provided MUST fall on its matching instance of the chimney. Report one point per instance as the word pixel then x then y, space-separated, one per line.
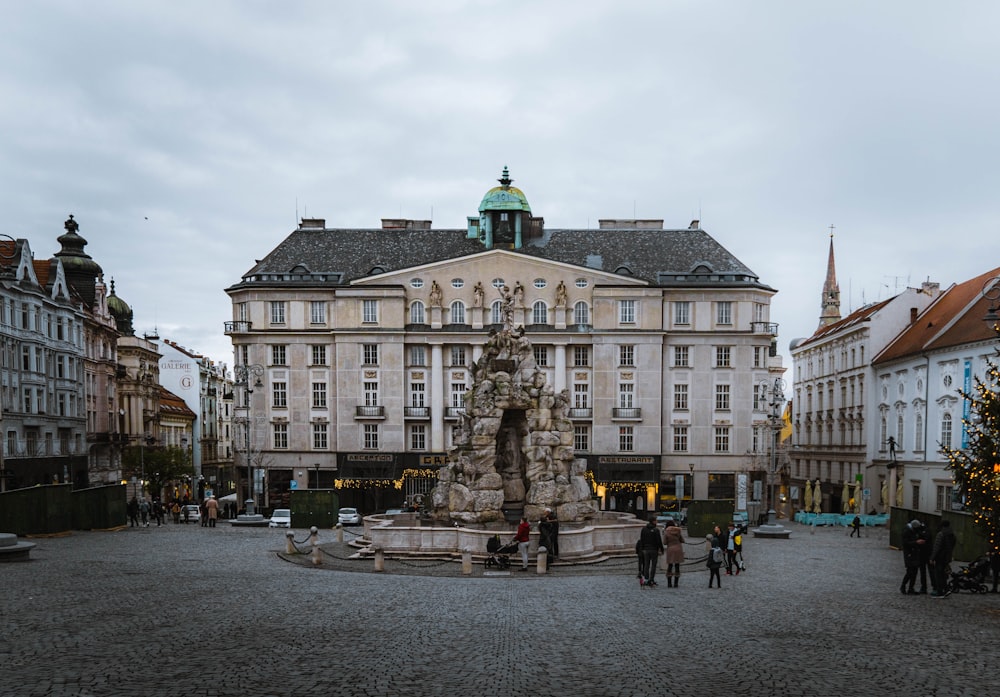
pixel 312 224
pixel 695 225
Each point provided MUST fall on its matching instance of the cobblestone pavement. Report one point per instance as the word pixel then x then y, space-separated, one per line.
pixel 185 611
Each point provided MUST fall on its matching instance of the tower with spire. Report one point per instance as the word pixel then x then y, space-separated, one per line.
pixel 830 303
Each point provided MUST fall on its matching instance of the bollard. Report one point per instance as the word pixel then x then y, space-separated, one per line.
pixel 379 559
pixel 314 541
pixel 340 532
pixel 290 542
pixel 543 560
pixel 466 561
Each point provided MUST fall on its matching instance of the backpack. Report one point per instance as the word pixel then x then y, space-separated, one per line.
pixel 717 555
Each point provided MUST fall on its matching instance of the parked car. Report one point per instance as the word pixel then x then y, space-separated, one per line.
pixel 280 518
pixel 190 513
pixel 742 521
pixel 349 516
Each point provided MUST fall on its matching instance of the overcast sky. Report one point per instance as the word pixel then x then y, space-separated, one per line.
pixel 186 137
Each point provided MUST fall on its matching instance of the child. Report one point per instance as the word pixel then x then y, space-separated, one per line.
pixel 714 562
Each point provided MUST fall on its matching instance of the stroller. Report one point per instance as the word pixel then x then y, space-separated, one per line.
pixel 971 577
pixel 499 553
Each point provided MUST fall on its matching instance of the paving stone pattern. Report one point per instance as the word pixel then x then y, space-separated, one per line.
pixel 186 611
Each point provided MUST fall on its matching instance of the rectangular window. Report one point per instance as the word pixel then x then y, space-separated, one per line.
pixel 722 439
pixel 759 312
pixel 278 355
pixel 626 395
pixel 581 439
pixel 369 312
pixel 942 498
pixel 682 312
pixel 417 394
pixel 418 437
pixel 680 439
pixel 319 395
pixel 758 356
pixel 280 432
pixel 722 397
pixel 277 312
pixel 626 311
pixel 370 437
pixel 320 439
pixel 418 356
pixel 318 354
pixel 371 394
pixel 626 439
pixel 457 355
pixel 279 394
pixel 581 396
pixel 317 312
pixel 458 395
pixel 541 356
pixel 626 356
pixel 681 397
pixel 682 356
pixel 724 312
pixel 369 354
pixel 722 357
pixel 758 398
pixel 581 356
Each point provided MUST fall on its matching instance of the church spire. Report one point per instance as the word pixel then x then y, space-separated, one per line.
pixel 831 292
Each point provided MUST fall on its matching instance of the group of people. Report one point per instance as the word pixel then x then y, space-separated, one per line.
pixel 548 537
pixel 652 544
pixel 141 512
pixel 724 548
pixel 921 554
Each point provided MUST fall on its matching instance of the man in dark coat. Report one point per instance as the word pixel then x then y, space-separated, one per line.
pixel 941 553
pixel 548 535
pixel 651 544
pixel 911 556
pixel 925 543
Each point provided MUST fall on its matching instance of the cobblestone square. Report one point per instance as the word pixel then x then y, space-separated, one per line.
pixel 187 611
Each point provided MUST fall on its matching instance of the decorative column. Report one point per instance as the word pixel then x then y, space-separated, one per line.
pixel 437 399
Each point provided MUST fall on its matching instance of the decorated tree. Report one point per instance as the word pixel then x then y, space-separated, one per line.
pixel 976 468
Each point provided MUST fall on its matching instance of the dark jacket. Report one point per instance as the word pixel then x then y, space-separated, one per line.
pixel 650 540
pixel 715 544
pixel 911 550
pixel 944 545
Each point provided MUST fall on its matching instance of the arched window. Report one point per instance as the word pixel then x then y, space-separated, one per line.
pixel 946 431
pixel 581 313
pixel 919 429
pixel 458 312
pixel 496 314
pixel 539 313
pixel 417 313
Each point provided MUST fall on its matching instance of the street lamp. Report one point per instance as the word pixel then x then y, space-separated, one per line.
pixel 774 395
pixel 247 376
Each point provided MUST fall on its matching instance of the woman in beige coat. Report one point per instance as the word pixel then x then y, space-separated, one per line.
pixel 673 540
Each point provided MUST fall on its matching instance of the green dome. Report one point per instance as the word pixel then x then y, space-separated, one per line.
pixel 120 310
pixel 504 197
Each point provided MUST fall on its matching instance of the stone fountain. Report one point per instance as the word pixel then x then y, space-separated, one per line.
pixel 513 452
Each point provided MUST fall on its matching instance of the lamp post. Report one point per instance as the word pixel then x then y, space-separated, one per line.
pixel 774 396
pixel 247 376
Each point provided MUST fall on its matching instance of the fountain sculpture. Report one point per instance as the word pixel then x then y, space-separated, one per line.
pixel 513 452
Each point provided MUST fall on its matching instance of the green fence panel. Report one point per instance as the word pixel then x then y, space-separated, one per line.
pixel 317 507
pixel 37 510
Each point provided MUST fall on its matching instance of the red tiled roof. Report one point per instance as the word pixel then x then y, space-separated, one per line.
pixel 174 405
pixel 955 318
pixel 856 317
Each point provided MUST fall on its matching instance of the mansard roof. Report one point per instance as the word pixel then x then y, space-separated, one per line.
pixel 325 256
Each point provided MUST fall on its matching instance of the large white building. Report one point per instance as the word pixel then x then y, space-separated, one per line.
pixel 359 344
pixel 916 404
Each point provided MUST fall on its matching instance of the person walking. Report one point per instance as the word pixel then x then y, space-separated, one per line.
pixel 715 557
pixel 731 565
pixel 133 513
pixel 212 506
pixel 941 553
pixel 995 567
pixel 158 512
pixel 144 512
pixel 911 556
pixel 175 511
pixel 523 539
pixel 673 540
pixel 856 526
pixel 652 547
